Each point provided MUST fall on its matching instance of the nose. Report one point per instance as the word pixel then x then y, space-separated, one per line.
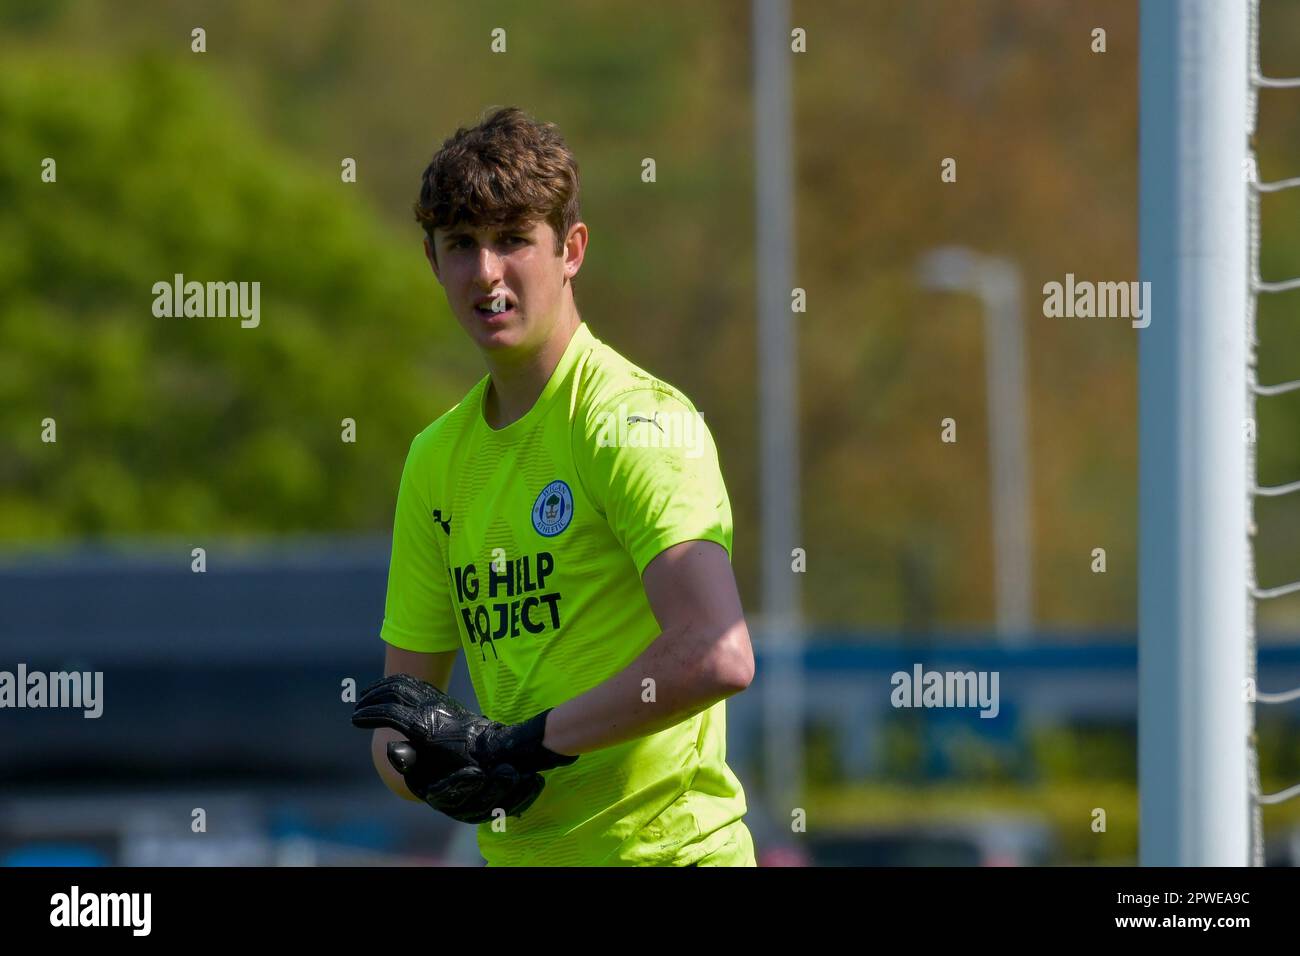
pixel 488 267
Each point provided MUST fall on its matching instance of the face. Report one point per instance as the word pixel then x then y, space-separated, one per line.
pixel 505 285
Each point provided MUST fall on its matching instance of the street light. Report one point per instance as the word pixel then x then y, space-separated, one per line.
pixel 996 282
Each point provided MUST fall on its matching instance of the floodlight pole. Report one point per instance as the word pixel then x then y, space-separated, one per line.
pixel 780 503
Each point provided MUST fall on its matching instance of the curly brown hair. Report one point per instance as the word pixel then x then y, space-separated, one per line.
pixel 509 169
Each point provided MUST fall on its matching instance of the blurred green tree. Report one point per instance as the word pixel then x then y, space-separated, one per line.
pixel 187 425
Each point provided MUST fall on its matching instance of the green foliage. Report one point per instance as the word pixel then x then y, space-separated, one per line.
pixel 1081 752
pixel 1278 744
pixel 903 747
pixel 821 754
pixel 175 425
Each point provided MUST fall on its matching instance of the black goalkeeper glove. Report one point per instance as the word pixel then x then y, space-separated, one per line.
pixel 468 794
pixel 458 762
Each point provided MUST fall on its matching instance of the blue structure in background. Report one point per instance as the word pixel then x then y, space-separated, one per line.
pixel 55 855
pixel 248 662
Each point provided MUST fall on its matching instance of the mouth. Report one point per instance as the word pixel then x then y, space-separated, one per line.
pixel 492 312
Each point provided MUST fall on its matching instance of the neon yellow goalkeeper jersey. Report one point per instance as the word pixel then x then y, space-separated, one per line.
pixel 525 546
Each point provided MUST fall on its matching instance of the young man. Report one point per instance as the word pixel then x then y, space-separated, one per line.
pixel 566 526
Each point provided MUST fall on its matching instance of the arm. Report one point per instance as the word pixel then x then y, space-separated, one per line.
pixel 702 656
pixel 434 668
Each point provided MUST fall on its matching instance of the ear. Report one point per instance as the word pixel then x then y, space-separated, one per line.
pixel 575 248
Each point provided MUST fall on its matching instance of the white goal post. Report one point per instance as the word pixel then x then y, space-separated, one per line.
pixel 1194 496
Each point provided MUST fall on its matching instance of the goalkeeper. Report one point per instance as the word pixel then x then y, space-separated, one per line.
pixel 566 526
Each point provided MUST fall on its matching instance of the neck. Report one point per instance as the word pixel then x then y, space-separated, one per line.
pixel 517 382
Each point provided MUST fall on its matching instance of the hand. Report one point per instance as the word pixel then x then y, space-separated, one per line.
pixel 468 795
pixel 438 726
pixel 456 759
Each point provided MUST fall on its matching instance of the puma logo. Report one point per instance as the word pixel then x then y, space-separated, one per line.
pixel 642 418
pixel 445 525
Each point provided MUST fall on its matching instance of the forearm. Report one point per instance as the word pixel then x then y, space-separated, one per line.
pixel 676 677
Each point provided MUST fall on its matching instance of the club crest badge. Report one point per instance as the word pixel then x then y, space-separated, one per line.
pixel 553 509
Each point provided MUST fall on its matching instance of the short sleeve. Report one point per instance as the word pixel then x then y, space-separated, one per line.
pixel 418 614
pixel 649 464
